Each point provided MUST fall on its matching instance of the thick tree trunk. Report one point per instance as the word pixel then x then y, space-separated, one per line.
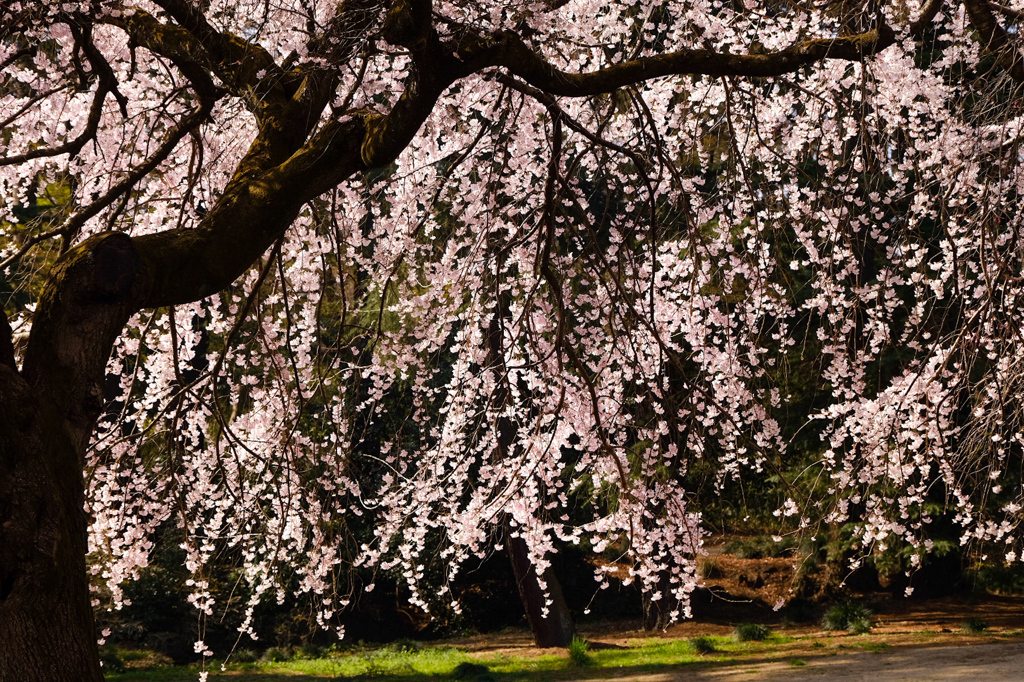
pixel 46 622
pixel 556 628
pixel 47 415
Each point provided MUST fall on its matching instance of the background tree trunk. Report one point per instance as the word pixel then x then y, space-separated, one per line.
pixel 47 632
pixel 658 613
pixel 556 629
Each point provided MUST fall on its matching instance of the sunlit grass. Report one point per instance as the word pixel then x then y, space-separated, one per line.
pixel 874 646
pixel 440 662
pixel 383 662
pixel 420 663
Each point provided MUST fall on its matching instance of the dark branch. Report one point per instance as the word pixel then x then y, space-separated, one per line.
pixel 255 209
pixel 928 12
pixel 235 60
pixel 248 70
pixel 1015 14
pixel 995 39
pixel 350 31
pixel 23 52
pixel 177 134
pixel 408 24
pixel 106 83
pixel 508 50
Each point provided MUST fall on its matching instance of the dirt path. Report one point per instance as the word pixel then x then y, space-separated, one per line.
pixel 910 641
pixel 998 662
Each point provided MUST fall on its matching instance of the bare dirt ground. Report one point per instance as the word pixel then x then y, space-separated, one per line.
pixel 910 641
pixel 994 662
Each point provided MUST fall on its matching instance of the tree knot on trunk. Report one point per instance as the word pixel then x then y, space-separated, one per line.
pixel 408 24
pixel 116 267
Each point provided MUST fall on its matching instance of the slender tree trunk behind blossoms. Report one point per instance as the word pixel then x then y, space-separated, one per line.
pixel 546 609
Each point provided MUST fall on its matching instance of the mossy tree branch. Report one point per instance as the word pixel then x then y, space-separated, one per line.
pixel 995 39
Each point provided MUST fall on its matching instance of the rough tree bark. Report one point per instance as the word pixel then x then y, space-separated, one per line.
pixel 47 413
pixel 46 620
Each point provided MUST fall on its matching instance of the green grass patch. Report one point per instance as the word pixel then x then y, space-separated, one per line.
pixel 874 646
pixel 385 662
pixel 579 653
pixel 647 653
pixel 426 663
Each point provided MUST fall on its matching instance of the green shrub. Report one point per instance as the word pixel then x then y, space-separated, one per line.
pixel 996 579
pixel 276 654
pixel 973 626
pixel 751 632
pixel 852 616
pixel 873 646
pixel 860 626
pixel 579 653
pixel 244 656
pixel 701 645
pixel 473 672
pixel 112 663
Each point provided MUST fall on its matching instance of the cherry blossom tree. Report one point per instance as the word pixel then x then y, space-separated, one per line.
pixel 579 242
